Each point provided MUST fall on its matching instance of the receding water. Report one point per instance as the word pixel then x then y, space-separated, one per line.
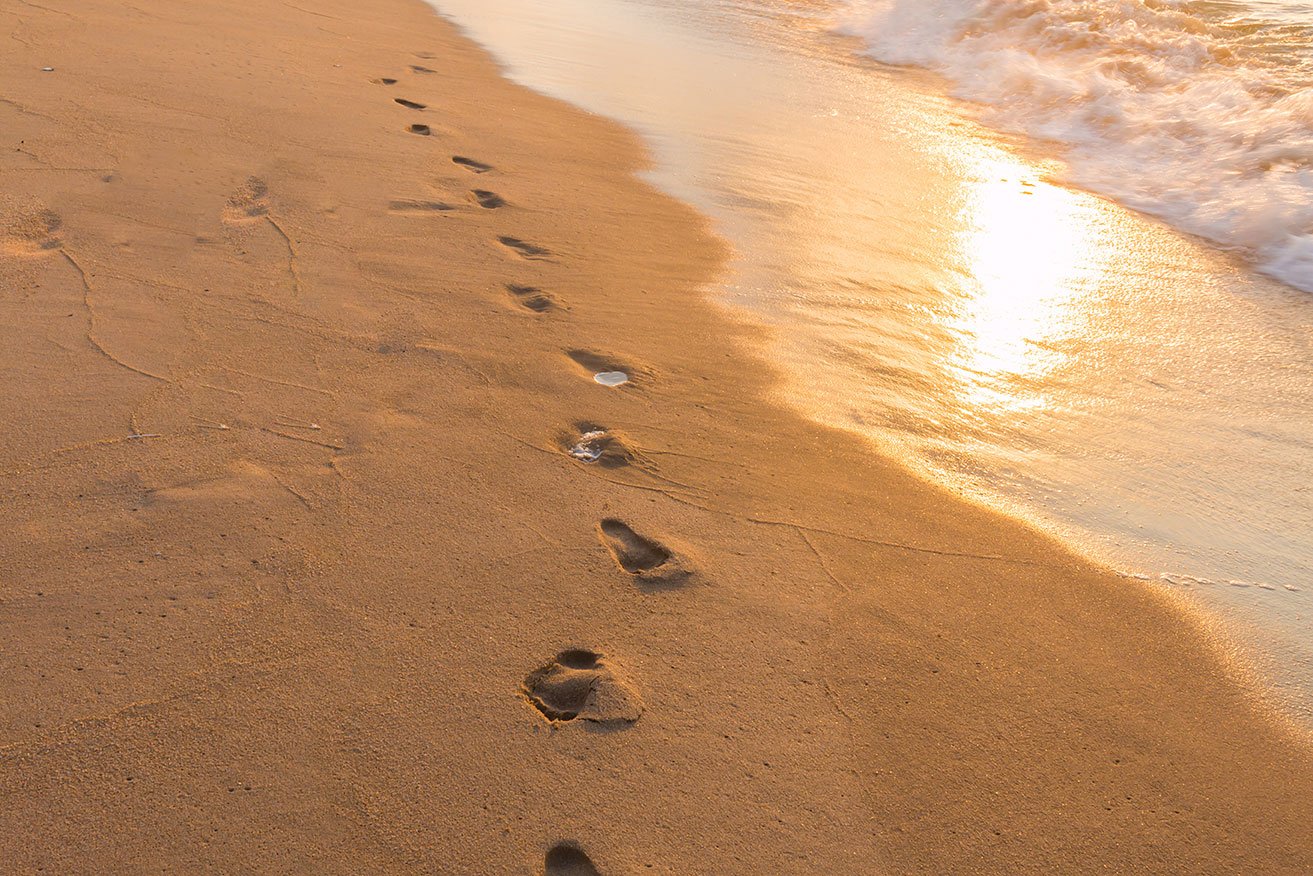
pixel 1198 113
pixel 949 293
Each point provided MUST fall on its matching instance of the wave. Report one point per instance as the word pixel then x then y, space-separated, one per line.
pixel 1202 119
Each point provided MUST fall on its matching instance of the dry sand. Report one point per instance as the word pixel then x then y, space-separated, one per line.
pixel 296 567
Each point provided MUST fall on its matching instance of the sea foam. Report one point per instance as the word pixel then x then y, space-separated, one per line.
pixel 1204 122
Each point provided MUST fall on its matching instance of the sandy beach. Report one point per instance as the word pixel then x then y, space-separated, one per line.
pixel 327 551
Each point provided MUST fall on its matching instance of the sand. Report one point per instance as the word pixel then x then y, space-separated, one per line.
pixel 300 575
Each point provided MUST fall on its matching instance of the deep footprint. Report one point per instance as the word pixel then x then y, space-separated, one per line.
pixel 567 859
pixel 422 130
pixel 410 104
pixel 488 200
pixel 524 249
pixel 385 81
pixel 595 445
pixel 637 555
pixel 582 684
pixel 531 298
pixel 470 164
pixel 602 369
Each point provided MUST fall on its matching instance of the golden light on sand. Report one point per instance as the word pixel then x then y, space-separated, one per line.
pixel 1029 254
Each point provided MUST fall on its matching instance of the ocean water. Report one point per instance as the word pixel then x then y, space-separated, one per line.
pixel 1198 113
pixel 1050 254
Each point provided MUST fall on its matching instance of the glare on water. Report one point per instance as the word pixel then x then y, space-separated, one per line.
pixel 934 287
pixel 1028 252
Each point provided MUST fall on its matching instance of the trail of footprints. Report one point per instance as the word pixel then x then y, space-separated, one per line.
pixel 578 684
pixel 484 198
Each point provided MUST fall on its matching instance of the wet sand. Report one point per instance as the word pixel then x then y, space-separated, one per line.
pixel 302 576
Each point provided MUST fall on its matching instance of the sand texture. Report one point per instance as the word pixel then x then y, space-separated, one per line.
pixel 301 308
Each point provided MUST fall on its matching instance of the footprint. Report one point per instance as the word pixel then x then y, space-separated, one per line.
pixel 567 859
pixel 639 556
pixel 418 69
pixel 384 81
pixel 32 232
pixel 525 249
pixel 488 200
pixel 531 298
pixel 582 684
pixel 602 369
pixel 413 207
pixel 596 445
pixel 422 130
pixel 249 203
pixel 410 104
pixel 470 164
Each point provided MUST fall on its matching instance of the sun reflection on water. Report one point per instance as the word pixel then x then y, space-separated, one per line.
pixel 1030 258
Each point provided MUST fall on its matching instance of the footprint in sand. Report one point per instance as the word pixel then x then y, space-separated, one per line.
pixel 487 200
pixel 422 130
pixel 605 370
pixel 384 81
pixel 249 203
pixel 31 231
pixel 410 104
pixel 414 207
pixel 645 559
pixel 415 68
pixel 524 249
pixel 567 859
pixel 531 298
pixel 582 684
pixel 470 164
pixel 594 445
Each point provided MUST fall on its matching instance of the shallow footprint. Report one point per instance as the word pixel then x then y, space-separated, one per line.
pixel 641 557
pixel 418 69
pixel 470 164
pixel 249 203
pixel 409 206
pixel 32 232
pixel 488 200
pixel 384 81
pixel 567 859
pixel 422 130
pixel 582 684
pixel 531 298
pixel 410 104
pixel 524 249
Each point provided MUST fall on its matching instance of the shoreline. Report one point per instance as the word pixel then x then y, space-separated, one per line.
pixel 848 356
pixel 297 527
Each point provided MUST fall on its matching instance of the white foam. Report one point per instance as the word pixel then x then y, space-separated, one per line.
pixel 590 447
pixel 1194 120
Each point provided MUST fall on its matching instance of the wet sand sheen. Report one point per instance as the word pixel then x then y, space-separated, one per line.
pixel 932 287
pixel 298 531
